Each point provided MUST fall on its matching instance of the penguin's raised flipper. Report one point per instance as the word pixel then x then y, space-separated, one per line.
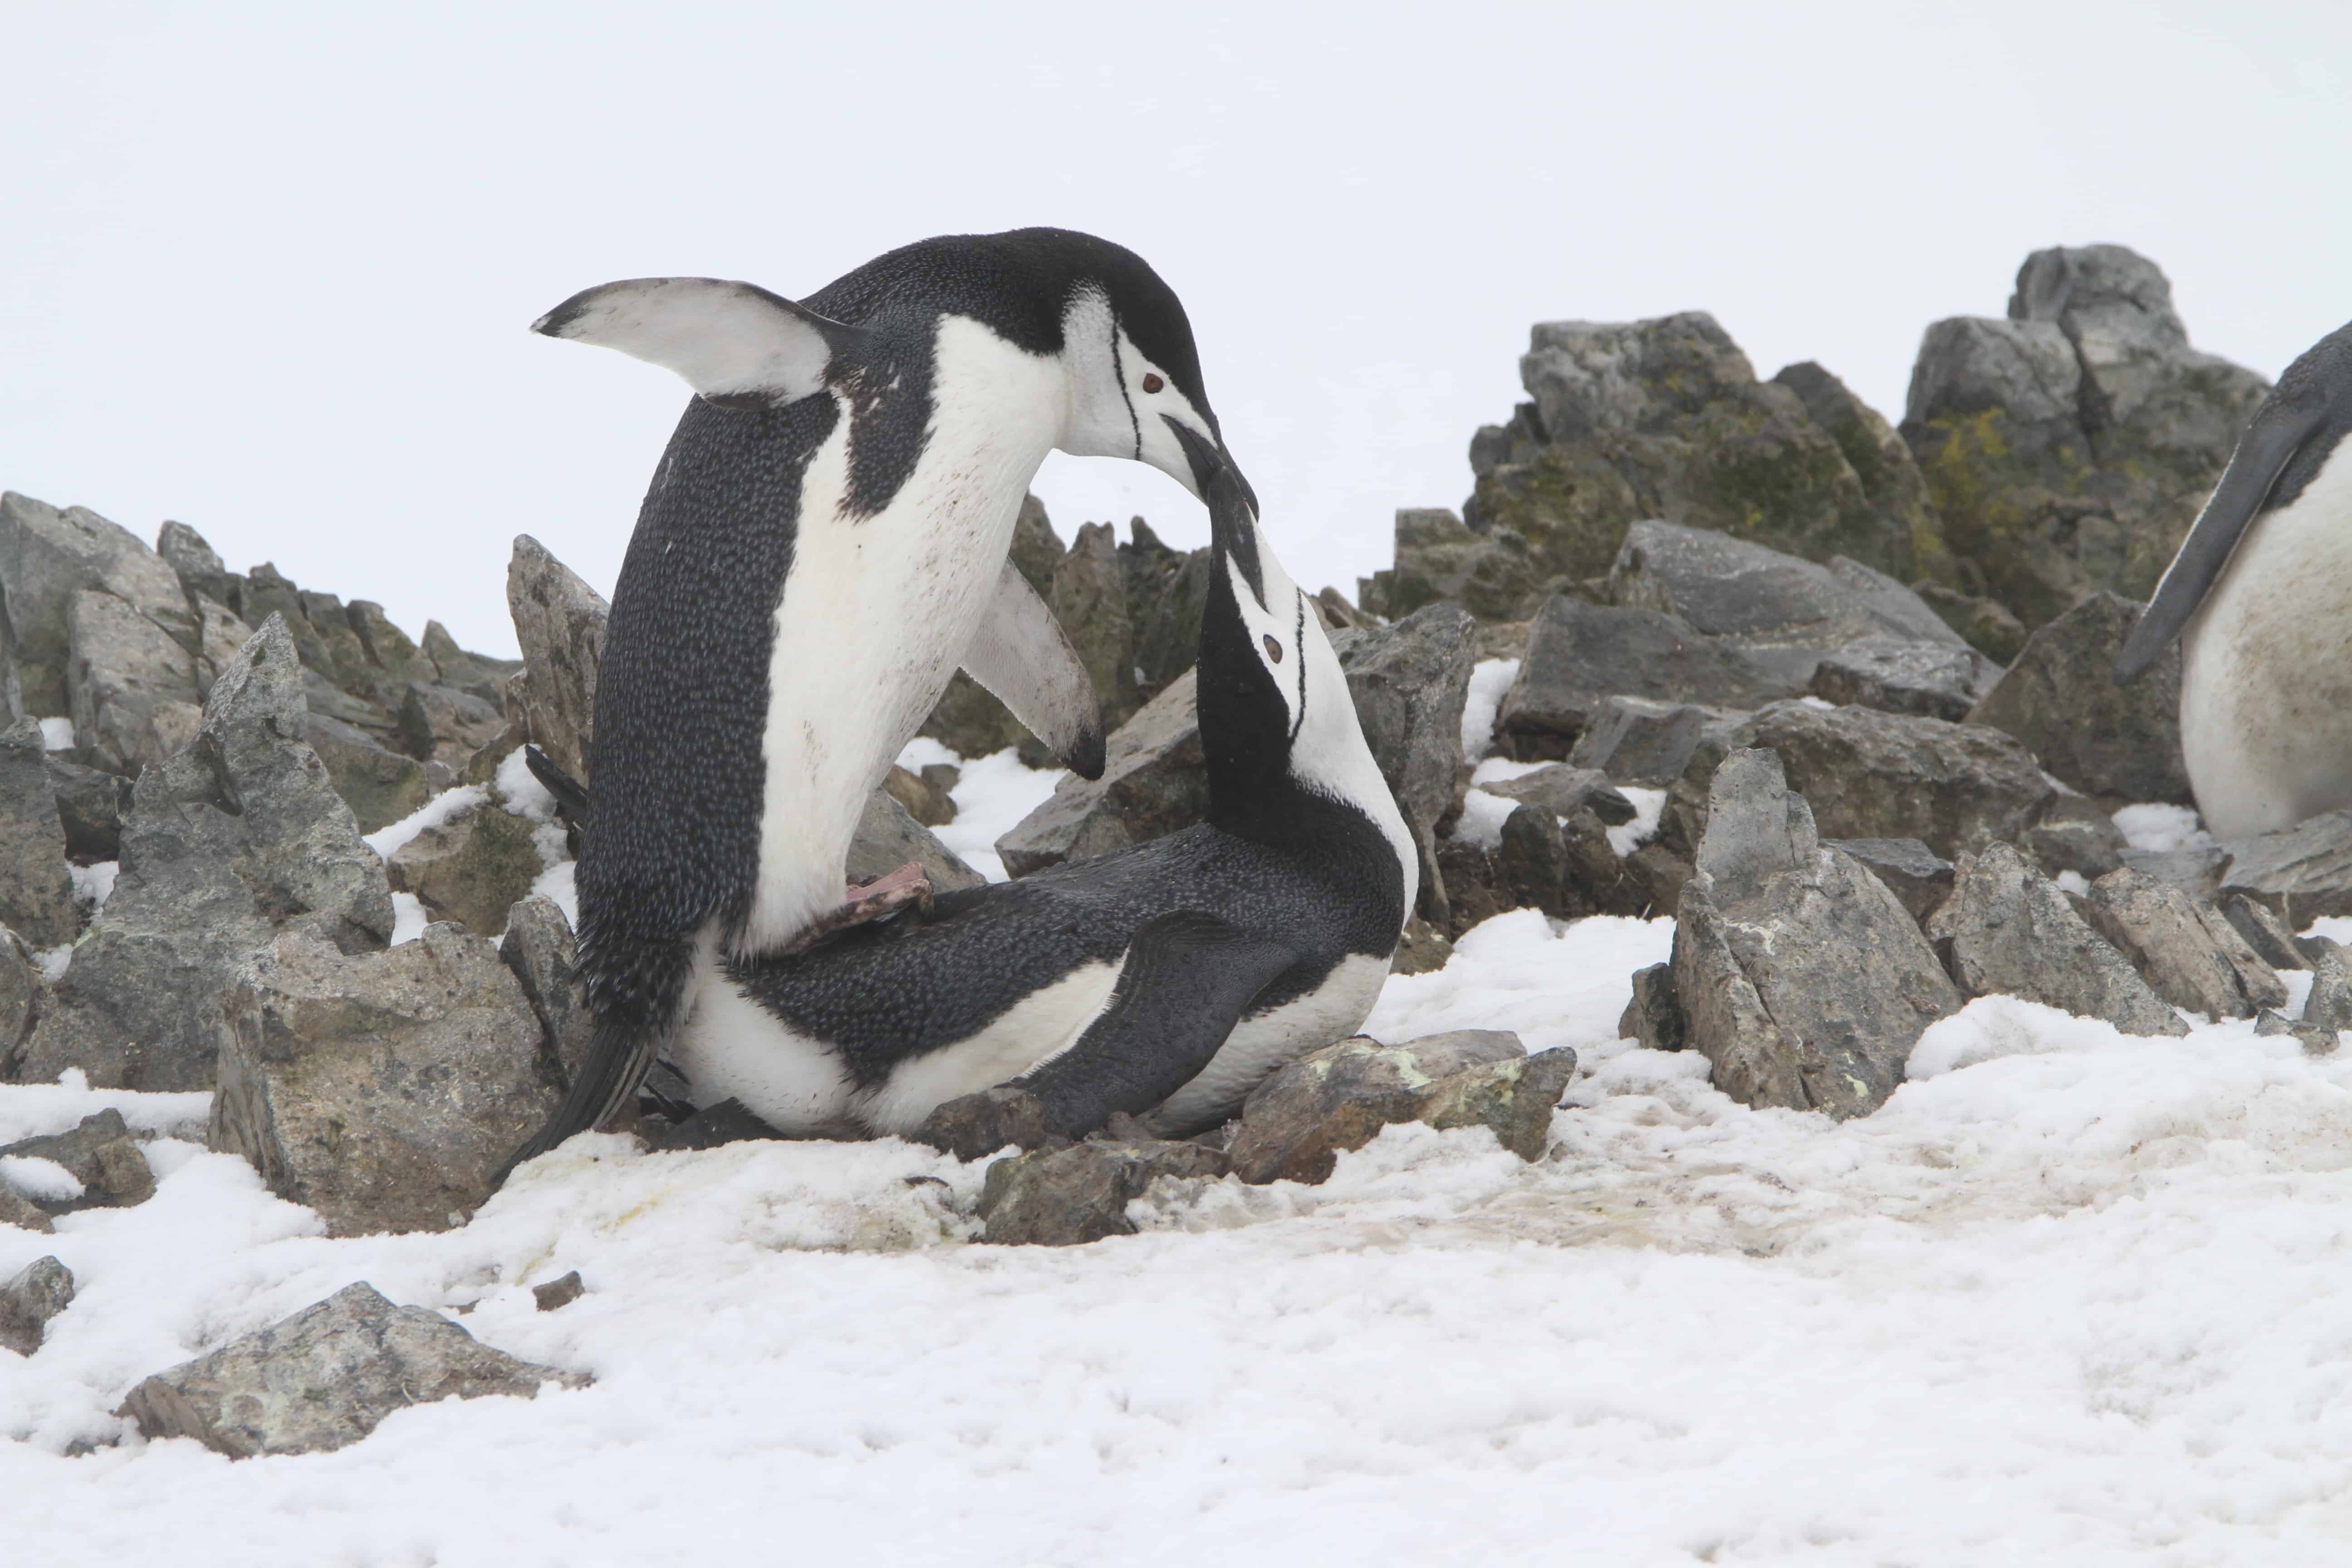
pixel 737 344
pixel 1187 980
pixel 1024 659
pixel 2264 452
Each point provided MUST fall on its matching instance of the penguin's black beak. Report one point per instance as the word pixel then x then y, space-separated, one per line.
pixel 1211 464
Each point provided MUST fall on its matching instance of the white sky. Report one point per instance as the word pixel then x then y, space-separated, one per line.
pixel 268 269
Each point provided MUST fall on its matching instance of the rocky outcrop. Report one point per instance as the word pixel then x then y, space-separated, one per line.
pixel 2186 951
pixel 1409 682
pixel 1636 741
pixel 560 622
pixel 326 1377
pixel 2007 930
pixel 36 893
pixel 379 785
pixel 540 949
pixel 46 558
pixel 471 868
pixel 1581 655
pixel 2121 744
pixel 1897 676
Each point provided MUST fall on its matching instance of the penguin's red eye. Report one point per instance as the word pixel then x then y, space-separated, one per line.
pixel 1153 384
pixel 1273 649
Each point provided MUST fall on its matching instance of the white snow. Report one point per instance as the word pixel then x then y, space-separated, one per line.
pixel 2162 827
pixel 524 794
pixel 387 840
pixel 1490 680
pixel 93 885
pixel 1649 806
pixel 992 795
pixel 42 1180
pixel 409 919
pixel 58 735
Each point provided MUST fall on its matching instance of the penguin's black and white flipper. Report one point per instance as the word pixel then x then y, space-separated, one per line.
pixel 2279 431
pixel 735 343
pixel 1187 978
pixel 1024 659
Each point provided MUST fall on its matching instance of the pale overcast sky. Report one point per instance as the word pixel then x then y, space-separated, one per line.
pixel 268 270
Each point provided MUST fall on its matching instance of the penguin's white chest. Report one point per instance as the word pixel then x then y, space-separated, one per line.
pixel 2266 669
pixel 878 610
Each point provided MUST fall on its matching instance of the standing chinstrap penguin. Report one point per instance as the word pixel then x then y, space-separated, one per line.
pixel 823 542
pixel 2260 596
pixel 1163 981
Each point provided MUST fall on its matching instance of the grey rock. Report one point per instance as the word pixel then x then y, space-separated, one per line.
pixel 474 674
pixel 560 622
pixel 558 1294
pixel 102 1154
pixel 22 1212
pixel 348 664
pixel 1409 682
pixel 888 838
pixel 470 868
pixel 394 659
pixel 1986 622
pixel 325 1378
pixel 441 724
pixel 36 894
pixel 131 688
pixel 37 1294
pixel 2273 942
pixel 2186 951
pixel 1803 979
pixel 1422 949
pixel 2074 834
pixel 220 635
pixel 2315 1040
pixel 382 1090
pixel 2120 743
pixel 1513 1098
pixel 927 804
pixel 540 949
pixel 1153 783
pixel 23 993
pixel 1900 676
pixel 202 572
pixel 1654 1015
pixel 2008 930
pixel 46 557
pixel 1564 790
pixel 225 843
pixel 2194 868
pixel 90 804
pixel 1638 741
pixel 1491 572
pixel 380 786
pixel 1166 590
pixel 1919 878
pixel 1876 453
pixel 1295 1125
pixel 2303 873
pixel 1089 600
pixel 1564 866
pixel 2329 1005
pixel 1580 654
pixel 1068 1197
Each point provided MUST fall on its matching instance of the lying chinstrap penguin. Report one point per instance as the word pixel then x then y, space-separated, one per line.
pixel 2260 596
pixel 823 544
pixel 1163 981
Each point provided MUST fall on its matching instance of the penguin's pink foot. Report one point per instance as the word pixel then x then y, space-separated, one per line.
pixel 867 902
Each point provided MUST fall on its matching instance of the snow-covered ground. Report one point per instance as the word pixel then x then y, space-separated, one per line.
pixel 2070 1298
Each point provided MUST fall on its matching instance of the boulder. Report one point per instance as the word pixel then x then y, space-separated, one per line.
pixel 1564 790
pixel 380 786
pixel 1090 599
pixel 46 558
pixel 383 1091
pixel 538 947
pixel 1986 622
pixel 102 1154
pixel 23 993
pixel 1409 682
pixel 888 838
pixel 37 898
pixel 928 804
pixel 476 675
pixel 1295 1125
pixel 1069 1197
pixel 2121 744
pixel 2329 1005
pixel 2315 1039
pixel 1919 878
pixel 1638 741
pixel 1876 453
pixel 219 635
pixel 1167 589
pixel 21 1212
pixel 558 1293
pixel 90 805
pixel 35 1294
pixel 1580 655
pixel 443 724
pixel 2008 930
pixel 2186 950
pixel 203 573
pixel 1565 866
pixel 1654 1015
pixel 1153 783
pixel 393 656
pixel 238 836
pixel 1492 573
pixel 131 688
pixel 560 622
pixel 325 1378
pixel 471 868
pixel 2074 834
pixel 1896 675
pixel 2273 942
pixel 1422 949
pixel 2304 872
pixel 1802 977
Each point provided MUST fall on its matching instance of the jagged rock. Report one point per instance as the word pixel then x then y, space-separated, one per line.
pixel 325 1378
pixel 1409 682
pixel 1782 613
pixel 441 724
pixel 382 1090
pixel 1565 866
pixel 219 635
pixel 2315 1040
pixel 474 674
pixel 2264 931
pixel 381 786
pixel 1868 775
pixel 1422 949
pixel 925 801
pixel 2188 952
pixel 1987 624
pixel 2119 743
pixel 560 622
pixel 1295 1125
pixel 90 804
pixel 540 949
pixel 1919 878
pixel 2076 836
pixel 46 557
pixel 1066 1197
pixel 22 1212
pixel 224 844
pixel 1564 790
pixel 1153 783
pixel 1654 1015
pixel 1899 676
pixel 36 894
pixel 23 993
pixel 2066 449
pixel 38 1292
pixel 1439 559
pixel 2329 1005
pixel 348 663
pixel 102 1154
pixel 1090 599
pixel 888 838
pixel 202 572
pixel 1580 654
pixel 2304 872
pixel 1638 741
pixel 391 655
pixel 1166 590
pixel 2195 869
pixel 470 868
pixel 1802 977
pixel 558 1294
pixel 1514 1099
pixel 2007 929
pixel 131 688
pixel 268 592
pixel 1876 453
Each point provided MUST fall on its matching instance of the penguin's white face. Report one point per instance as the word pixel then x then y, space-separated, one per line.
pixel 1285 629
pixel 1120 402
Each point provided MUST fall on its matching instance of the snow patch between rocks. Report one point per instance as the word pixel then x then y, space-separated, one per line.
pixel 1490 681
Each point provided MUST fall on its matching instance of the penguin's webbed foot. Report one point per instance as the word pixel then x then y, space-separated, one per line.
pixel 972 1125
pixel 868 902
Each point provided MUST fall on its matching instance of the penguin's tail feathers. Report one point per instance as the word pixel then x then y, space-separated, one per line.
pixel 620 1053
